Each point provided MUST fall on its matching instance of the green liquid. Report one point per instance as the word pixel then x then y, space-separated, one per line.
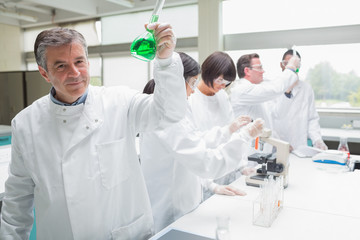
pixel 144 47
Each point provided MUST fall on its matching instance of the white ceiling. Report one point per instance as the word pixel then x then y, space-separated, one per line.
pixel 31 13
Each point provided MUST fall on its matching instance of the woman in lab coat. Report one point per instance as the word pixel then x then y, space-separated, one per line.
pixel 211 106
pixel 173 159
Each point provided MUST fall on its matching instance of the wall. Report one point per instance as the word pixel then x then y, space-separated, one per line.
pixel 11 45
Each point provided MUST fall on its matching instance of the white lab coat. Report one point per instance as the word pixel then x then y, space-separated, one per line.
pixel 89 186
pixel 173 159
pixel 250 99
pixel 295 118
pixel 254 99
pixel 209 112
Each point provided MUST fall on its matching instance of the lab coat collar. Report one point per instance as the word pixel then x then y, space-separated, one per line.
pixel 90 119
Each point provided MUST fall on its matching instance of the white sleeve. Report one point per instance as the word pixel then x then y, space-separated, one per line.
pixel 209 184
pixel 215 136
pixel 168 103
pixel 265 91
pixel 17 209
pixel 191 150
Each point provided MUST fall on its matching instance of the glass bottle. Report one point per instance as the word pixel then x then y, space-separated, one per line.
pixel 343 146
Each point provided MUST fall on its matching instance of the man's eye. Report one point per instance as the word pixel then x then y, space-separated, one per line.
pixel 61 66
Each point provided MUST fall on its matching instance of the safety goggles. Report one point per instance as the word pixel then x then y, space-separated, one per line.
pixel 257 67
pixel 192 82
pixel 221 81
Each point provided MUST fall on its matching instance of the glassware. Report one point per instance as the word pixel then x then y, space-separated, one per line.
pixel 222 230
pixel 144 46
pixel 343 146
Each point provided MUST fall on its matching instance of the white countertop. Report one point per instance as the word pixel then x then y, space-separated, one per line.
pixel 322 201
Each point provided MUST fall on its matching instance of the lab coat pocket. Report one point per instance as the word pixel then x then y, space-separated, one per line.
pixel 113 163
pixel 140 228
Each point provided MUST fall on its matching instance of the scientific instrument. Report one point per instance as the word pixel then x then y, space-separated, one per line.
pixel 269 202
pixel 275 164
pixel 331 157
pixel 144 46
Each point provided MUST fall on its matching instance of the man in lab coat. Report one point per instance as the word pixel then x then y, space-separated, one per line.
pixel 250 92
pixel 294 113
pixel 73 151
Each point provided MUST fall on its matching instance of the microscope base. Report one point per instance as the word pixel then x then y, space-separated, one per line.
pixel 255 180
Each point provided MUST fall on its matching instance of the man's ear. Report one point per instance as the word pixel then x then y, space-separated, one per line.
pixel 44 73
pixel 246 71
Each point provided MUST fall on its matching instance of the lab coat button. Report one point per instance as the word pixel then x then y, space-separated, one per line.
pixel 64 121
pixel 96 120
pixel 64 109
pixel 87 127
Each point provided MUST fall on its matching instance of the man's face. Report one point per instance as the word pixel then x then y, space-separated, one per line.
pixel 67 71
pixel 255 71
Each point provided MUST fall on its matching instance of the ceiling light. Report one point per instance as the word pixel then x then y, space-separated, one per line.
pixel 125 3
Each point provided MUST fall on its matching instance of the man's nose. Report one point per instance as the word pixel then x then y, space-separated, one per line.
pixel 73 71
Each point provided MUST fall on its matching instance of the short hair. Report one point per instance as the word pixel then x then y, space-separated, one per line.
pixel 290 52
pixel 149 87
pixel 243 62
pixel 53 38
pixel 215 65
pixel 191 67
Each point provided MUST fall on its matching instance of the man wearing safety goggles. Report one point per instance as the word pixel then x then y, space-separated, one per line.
pixel 249 93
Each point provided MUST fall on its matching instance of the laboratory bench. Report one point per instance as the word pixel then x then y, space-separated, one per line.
pixel 322 201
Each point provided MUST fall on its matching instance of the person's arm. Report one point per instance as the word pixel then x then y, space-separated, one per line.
pixel 222 189
pixel 168 103
pixel 191 151
pixel 248 93
pixel 217 135
pixel 17 209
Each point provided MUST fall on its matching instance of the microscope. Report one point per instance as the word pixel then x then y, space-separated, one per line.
pixel 275 164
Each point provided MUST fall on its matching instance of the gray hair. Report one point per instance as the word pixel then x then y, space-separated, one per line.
pixel 53 38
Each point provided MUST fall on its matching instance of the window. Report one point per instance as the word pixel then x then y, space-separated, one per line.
pixel 88 28
pixel 328 53
pixel 115 29
pixel 264 15
pixel 95 71
pixel 333 73
pixel 125 71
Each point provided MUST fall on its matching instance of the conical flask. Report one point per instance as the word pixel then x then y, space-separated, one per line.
pixel 144 46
